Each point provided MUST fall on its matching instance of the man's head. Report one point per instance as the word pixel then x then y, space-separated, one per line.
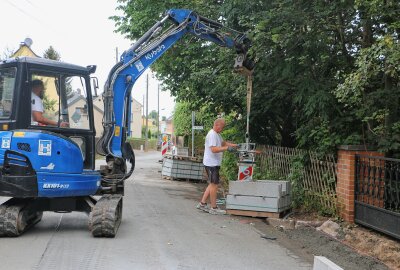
pixel 38 88
pixel 219 125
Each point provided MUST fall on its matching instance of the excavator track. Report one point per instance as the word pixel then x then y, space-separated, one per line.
pixel 16 218
pixel 105 218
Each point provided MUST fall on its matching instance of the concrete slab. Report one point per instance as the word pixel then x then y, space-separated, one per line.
pixel 323 263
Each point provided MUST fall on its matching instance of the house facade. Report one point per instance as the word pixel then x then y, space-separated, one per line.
pixel 135 122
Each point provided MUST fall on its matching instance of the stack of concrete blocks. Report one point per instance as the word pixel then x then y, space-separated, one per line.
pixel 182 151
pixel 261 195
pixel 182 169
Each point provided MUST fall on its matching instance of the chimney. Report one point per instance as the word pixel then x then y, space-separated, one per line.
pixel 27 42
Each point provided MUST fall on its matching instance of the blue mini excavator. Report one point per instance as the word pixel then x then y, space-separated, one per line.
pixel 52 167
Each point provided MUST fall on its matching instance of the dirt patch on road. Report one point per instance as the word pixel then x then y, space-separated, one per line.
pixel 319 244
pixel 373 244
pixel 306 242
pixel 364 241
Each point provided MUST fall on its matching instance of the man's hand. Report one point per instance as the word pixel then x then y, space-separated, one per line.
pixel 64 124
pixel 232 147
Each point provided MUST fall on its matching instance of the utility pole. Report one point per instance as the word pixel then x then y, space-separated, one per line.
pixel 158 111
pixel 143 112
pixel 193 121
pixel 147 113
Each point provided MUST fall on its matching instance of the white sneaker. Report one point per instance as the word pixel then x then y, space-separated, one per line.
pixel 203 207
pixel 217 211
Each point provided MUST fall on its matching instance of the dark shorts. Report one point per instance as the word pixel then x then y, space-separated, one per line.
pixel 213 174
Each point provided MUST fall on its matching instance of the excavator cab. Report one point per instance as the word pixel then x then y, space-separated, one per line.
pixel 66 98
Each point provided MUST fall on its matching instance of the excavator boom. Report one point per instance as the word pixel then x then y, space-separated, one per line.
pixel 151 46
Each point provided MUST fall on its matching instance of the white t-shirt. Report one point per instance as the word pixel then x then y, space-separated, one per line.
pixel 212 159
pixel 36 105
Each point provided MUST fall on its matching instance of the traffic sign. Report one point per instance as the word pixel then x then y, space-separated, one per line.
pixel 198 127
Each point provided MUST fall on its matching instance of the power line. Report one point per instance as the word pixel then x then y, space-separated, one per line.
pixel 47 26
pixel 29 2
pixel 24 12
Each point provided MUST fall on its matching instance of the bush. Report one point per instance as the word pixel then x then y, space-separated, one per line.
pixel 229 169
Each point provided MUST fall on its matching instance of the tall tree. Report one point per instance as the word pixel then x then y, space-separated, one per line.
pixel 51 53
pixel 153 114
pixel 372 89
pixel 314 59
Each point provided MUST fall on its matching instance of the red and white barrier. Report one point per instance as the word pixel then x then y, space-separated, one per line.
pixel 245 172
pixel 164 145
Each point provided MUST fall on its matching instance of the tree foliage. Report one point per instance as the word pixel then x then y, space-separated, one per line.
pixel 7 53
pixel 153 114
pixel 327 72
pixel 51 53
pixel 183 118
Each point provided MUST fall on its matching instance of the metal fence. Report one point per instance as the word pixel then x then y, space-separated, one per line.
pixel 316 174
pixel 377 193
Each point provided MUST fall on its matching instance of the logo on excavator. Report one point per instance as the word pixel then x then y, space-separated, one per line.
pixel 44 148
pixel 5 142
pixel 48 167
pixel 139 65
pixel 55 186
pixel 154 52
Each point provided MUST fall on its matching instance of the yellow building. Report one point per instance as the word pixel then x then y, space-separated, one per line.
pixel 24 50
pixel 49 83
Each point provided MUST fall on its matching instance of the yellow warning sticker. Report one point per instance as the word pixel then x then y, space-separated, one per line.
pixel 19 134
pixel 117 131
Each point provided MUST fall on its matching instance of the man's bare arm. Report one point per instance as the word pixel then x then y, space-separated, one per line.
pixel 38 117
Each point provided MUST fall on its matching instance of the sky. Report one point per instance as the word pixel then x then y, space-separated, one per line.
pixel 80 32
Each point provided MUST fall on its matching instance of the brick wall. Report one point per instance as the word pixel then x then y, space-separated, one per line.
pixel 346 178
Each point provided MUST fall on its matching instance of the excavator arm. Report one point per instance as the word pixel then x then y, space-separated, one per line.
pixel 151 46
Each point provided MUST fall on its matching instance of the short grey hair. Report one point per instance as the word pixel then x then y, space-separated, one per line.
pixel 219 120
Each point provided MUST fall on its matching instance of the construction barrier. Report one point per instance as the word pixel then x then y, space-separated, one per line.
pixel 164 145
pixel 245 172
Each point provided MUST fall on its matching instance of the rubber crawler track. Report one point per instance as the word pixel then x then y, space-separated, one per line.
pixel 105 218
pixel 14 220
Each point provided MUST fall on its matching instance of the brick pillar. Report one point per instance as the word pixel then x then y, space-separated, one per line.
pixel 345 186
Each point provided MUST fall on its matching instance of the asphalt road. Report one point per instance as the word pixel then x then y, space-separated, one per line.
pixel 161 229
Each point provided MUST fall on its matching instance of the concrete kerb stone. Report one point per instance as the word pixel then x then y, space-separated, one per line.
pixel 303 223
pixel 323 263
pixel 290 224
pixel 285 224
pixel 330 227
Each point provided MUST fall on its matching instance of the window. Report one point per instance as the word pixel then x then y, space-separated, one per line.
pixel 7 84
pixel 62 100
pixel 77 106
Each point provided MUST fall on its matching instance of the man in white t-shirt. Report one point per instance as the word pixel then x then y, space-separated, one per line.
pixel 214 147
pixel 37 108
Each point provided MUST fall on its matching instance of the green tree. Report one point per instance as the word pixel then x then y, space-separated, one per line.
pixel 371 91
pixel 153 114
pixel 313 60
pixel 51 53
